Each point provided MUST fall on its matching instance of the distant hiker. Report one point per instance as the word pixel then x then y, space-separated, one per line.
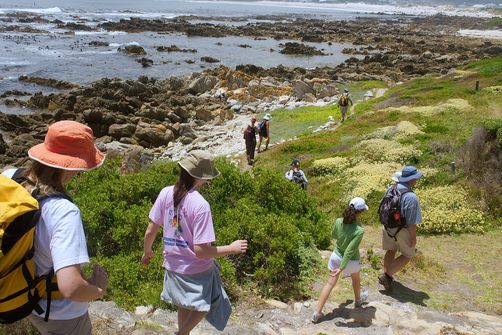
pixel 399 213
pixel 250 139
pixel 192 278
pixel 295 174
pixel 59 241
pixel 343 103
pixel 264 131
pixel 344 260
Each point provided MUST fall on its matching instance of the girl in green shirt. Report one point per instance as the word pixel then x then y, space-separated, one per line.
pixel 345 258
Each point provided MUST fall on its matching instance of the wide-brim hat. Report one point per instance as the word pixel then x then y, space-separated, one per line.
pixel 409 173
pixel 68 145
pixel 200 164
pixel 267 116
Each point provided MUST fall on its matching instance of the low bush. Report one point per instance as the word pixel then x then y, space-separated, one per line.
pixel 281 222
pixel 449 209
pixel 329 166
pixel 381 151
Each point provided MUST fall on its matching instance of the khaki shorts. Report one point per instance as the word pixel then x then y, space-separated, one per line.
pixel 401 245
pixel 78 326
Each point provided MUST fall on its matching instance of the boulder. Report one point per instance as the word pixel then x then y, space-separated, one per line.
pixel 3 145
pixel 301 88
pixel 134 50
pixel 118 131
pixel 151 137
pixel 202 84
pixel 208 59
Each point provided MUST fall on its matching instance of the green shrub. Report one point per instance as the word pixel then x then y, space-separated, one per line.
pixel 279 219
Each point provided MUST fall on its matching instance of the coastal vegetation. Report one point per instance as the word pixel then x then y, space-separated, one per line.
pixel 285 226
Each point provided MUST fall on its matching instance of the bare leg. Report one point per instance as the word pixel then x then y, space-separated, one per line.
pixel 259 144
pixel 182 316
pixel 397 265
pixel 356 285
pixel 192 319
pixel 390 255
pixel 267 141
pixel 326 290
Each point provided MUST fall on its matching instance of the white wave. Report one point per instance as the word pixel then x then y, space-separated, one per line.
pixel 14 63
pixel 100 32
pixel 363 8
pixel 52 10
pixel 495 34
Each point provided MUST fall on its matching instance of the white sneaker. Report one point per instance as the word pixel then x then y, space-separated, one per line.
pixel 316 317
pixel 364 297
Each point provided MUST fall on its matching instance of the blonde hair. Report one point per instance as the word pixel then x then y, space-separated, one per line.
pixel 44 180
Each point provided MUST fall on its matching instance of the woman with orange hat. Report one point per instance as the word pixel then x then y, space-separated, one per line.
pixel 192 279
pixel 60 244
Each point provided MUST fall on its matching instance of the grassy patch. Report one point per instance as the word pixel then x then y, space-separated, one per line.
pixel 488 68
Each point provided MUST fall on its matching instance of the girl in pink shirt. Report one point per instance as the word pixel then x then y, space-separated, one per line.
pixel 191 281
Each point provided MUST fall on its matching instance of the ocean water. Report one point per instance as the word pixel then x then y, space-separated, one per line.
pixel 54 54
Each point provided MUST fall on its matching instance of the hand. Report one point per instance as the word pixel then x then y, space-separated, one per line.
pixel 239 246
pixel 147 256
pixel 99 277
pixel 335 273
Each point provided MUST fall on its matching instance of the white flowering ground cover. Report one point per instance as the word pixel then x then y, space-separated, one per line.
pixel 451 105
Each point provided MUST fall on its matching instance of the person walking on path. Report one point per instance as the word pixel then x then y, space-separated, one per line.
pixel 264 131
pixel 297 175
pixel 59 241
pixel 250 140
pixel 404 237
pixel 345 259
pixel 192 278
pixel 343 103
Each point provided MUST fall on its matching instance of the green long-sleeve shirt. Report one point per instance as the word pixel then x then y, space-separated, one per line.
pixel 348 237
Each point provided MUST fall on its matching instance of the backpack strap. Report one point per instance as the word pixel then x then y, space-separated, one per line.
pixel 401 192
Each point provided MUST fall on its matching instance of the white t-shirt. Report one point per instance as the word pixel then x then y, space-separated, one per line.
pixel 60 242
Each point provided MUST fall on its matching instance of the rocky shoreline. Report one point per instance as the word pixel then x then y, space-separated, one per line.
pixel 166 117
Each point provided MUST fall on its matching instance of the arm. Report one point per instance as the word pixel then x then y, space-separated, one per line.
pixel 413 235
pixel 351 250
pixel 289 175
pixel 209 251
pixel 73 286
pixel 150 234
pixel 268 128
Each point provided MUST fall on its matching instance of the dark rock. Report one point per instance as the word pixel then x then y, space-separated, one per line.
pixel 294 48
pixel 134 50
pixel 99 43
pixel 174 48
pixel 3 145
pixel 145 62
pixel 208 59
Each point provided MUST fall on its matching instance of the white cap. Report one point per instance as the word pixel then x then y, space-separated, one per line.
pixel 359 204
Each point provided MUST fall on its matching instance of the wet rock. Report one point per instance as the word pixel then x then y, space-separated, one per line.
pixel 133 50
pixel 60 84
pixel 99 43
pixel 174 48
pixel 145 62
pixel 294 48
pixel 208 59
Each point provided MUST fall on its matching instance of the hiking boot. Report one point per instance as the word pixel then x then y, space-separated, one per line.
pixel 364 297
pixel 316 317
pixel 386 281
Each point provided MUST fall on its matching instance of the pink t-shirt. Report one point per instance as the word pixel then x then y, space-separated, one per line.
pixel 194 225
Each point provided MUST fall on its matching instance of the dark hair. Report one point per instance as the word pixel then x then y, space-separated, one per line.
pixel 349 214
pixel 183 185
pixel 47 180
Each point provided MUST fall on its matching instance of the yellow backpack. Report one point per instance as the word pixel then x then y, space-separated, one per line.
pixel 20 290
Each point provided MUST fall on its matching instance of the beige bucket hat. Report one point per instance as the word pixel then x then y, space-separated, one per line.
pixel 200 164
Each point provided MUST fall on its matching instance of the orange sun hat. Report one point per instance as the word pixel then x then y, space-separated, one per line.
pixel 68 145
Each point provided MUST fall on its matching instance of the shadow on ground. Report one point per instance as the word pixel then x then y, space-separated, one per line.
pixel 405 294
pixel 354 317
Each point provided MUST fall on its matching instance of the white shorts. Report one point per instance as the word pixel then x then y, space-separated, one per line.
pixel 335 261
